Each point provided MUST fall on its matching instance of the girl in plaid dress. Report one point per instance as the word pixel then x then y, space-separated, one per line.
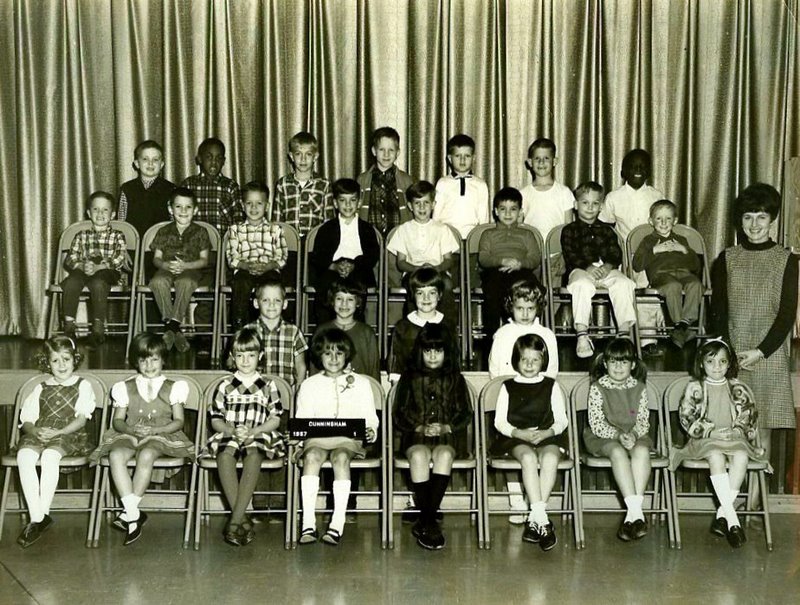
pixel 245 415
pixel 52 419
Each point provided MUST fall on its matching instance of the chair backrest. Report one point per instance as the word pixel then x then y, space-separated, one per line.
pixel 693 237
pixel 673 395
pixel 100 397
pixel 293 262
pixel 131 246
pixel 579 398
pixel 215 264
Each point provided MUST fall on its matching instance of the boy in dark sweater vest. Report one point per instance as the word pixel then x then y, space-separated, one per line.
pixel 144 201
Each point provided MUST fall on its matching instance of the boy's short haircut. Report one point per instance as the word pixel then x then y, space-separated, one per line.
pixel 529 341
pixel 211 141
pixel 541 143
pixel 255 187
pixel 182 192
pixel 424 277
pixel 460 140
pixel 245 340
pixel 303 138
pixel 385 132
pixel 758 197
pixel 507 194
pixel 346 187
pixel 656 206
pixel 335 338
pixel 589 187
pixel 347 285
pixel 525 290
pixel 105 195
pixel 144 345
pixel 632 154
pixel 419 190
pixel 272 279
pixel 148 144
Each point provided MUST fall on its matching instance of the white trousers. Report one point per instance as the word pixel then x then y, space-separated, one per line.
pixel 583 287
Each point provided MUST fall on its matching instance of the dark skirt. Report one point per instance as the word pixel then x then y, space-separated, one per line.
pixel 503 445
pixel 458 441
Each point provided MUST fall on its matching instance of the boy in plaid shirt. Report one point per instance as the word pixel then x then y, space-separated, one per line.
pixel 303 198
pixel 283 343
pixel 95 259
pixel 255 249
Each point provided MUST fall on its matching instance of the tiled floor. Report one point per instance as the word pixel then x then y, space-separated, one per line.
pixel 59 570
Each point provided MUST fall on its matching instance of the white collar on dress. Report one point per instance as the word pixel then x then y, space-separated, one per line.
pixel 415 319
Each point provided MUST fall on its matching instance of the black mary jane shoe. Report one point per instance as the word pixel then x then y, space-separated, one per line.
pixel 639 529
pixel 736 536
pixel 134 530
pixel 719 527
pixel 625 531
pixel 332 537
pixel 308 536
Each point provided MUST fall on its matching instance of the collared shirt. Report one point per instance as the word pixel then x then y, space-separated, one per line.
pixel 629 207
pixel 462 210
pixel 122 206
pixel 423 243
pixel 219 200
pixel 302 206
pixel 262 243
pixel 107 245
pixel 585 244
pixel 508 242
pixel 187 245
pixel 545 210
pixel 280 346
pixel 148 389
pixel 349 242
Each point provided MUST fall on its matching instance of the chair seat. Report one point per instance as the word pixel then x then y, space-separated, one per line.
pixel 144 289
pixel 57 289
pixel 363 463
pixel 509 464
pixel 163 462
pixel 71 461
pixel 752 465
pixel 266 464
pixel 601 462
pixel 459 463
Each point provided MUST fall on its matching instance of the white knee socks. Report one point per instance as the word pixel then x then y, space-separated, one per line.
pixel 726 496
pixel 341 493
pixel 26 460
pixel 309 488
pixel 51 459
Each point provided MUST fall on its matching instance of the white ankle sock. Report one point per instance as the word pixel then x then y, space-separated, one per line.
pixel 309 488
pixel 515 497
pixel 341 492
pixel 131 504
pixel 539 513
pixel 634 505
pixel 722 487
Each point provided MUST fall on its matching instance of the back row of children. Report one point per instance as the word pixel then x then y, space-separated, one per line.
pixel 346 245
pixel 432 413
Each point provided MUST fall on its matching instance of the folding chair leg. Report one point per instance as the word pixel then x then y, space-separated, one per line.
pixel 202 485
pixel 94 502
pixel 673 488
pixel 98 516
pixel 4 501
pixel 762 483
pixel 190 506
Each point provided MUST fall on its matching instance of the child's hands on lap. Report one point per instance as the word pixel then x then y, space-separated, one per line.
pixel 435 429
pixel 628 440
pixel 46 434
pixel 142 430
pixel 242 433
pixel 507 265
pixel 539 436
pixel 371 435
pixel 726 434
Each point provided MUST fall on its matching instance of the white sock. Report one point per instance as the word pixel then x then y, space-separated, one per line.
pixel 722 487
pixel 720 513
pixel 29 478
pixel 515 497
pixel 131 504
pixel 341 492
pixel 309 488
pixel 538 513
pixel 51 459
pixel 634 505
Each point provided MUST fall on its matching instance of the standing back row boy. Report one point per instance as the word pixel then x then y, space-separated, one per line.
pixel 384 185
pixel 303 198
pixel 218 198
pixel 546 203
pixel 144 201
pixel 462 199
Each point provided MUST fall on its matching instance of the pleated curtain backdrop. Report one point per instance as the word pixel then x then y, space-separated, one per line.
pixel 709 87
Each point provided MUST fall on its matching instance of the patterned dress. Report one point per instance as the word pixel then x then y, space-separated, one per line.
pixel 246 401
pixel 155 413
pixel 54 405
pixel 615 408
pixel 713 405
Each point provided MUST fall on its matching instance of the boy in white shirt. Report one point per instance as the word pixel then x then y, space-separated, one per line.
pixel 546 203
pixel 462 199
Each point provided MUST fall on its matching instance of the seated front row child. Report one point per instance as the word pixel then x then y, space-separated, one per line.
pixel 282 342
pixel 506 254
pixel 147 424
pixel 424 242
pixel 672 268
pixel 335 392
pixel 245 416
pixel 432 411
pixel 719 415
pixel 531 418
pixel 255 248
pixel 95 260
pixel 180 253
pixel 593 256
pixel 619 425
pixel 425 286
pixel 52 425
pixel 347 297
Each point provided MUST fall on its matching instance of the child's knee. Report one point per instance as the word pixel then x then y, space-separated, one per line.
pixel 443 455
pixel 146 456
pixel 314 457
pixel 340 459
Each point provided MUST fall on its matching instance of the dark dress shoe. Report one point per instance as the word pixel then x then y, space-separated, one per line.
pixel 134 529
pixel 639 529
pixel 531 533
pixel 625 531
pixel 736 537
pixel 547 537
pixel 719 527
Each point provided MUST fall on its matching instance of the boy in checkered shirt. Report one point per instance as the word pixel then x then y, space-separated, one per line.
pixel 303 198
pixel 95 260
pixel 283 343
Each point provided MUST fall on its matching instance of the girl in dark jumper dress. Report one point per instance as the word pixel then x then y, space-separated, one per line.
pixel 531 419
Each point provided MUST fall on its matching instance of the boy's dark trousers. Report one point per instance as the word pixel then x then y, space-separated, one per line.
pixel 99 285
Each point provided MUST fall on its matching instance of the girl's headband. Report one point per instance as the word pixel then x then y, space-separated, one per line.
pixel 720 340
